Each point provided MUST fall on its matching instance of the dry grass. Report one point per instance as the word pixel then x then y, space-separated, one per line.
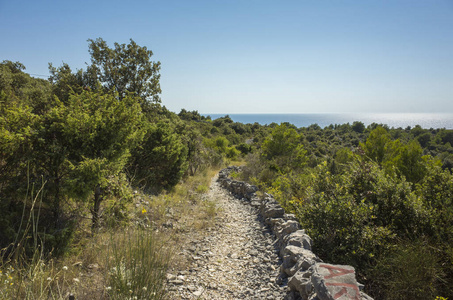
pixel 38 278
pixel 156 223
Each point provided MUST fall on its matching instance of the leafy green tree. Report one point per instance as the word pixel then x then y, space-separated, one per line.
pixel 244 148
pixel 221 143
pixel 26 108
pixel 342 158
pixel 447 160
pixel 284 149
pixel 220 122
pixel 99 132
pixel 78 145
pixel 410 162
pixel 16 134
pixel 232 153
pixel 190 115
pixel 314 127
pixel 417 130
pixel 436 190
pixel 161 159
pixel 376 144
pixel 358 127
pixel 239 128
pixel 126 68
pixel 65 82
pixel 339 220
pixel 446 136
pixel 21 87
pixel 12 77
pixel 424 139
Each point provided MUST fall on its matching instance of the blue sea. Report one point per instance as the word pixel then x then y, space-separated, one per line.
pixel 425 120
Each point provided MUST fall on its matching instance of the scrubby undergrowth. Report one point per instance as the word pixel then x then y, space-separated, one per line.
pixel 123 260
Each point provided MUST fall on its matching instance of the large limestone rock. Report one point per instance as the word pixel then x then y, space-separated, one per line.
pixel 286 228
pixel 335 282
pixel 327 282
pixel 250 190
pixel 298 238
pixel 256 201
pixel 297 258
pixel 272 210
pixel 301 282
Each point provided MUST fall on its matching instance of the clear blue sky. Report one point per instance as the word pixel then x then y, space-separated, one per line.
pixel 257 56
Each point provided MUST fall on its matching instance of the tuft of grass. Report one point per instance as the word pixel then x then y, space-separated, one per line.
pixel 234 175
pixel 201 189
pixel 210 208
pixel 37 278
pixel 137 265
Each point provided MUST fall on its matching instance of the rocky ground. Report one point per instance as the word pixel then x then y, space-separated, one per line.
pixel 236 258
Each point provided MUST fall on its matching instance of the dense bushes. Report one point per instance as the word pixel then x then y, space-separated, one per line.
pixel 80 137
pixel 68 152
pixel 379 199
pixel 160 160
pixel 384 207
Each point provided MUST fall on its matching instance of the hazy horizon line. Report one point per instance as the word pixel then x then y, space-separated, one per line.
pixel 325 113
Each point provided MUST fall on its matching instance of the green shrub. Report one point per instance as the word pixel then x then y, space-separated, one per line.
pixel 232 153
pixel 411 270
pixel 244 148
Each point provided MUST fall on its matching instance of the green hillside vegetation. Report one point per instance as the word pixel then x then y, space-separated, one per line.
pixel 90 158
pixel 376 198
pixel 95 172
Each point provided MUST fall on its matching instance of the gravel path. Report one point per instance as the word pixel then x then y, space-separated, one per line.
pixel 236 259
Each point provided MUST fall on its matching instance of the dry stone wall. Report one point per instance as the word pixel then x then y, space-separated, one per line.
pixel 309 278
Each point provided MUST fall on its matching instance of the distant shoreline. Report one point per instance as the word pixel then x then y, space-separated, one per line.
pixel 396 120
